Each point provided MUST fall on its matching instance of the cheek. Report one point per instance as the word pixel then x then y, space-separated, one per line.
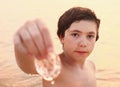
pixel 69 44
pixel 68 48
pixel 91 46
pixel 70 41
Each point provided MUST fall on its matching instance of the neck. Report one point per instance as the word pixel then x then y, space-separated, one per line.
pixel 69 62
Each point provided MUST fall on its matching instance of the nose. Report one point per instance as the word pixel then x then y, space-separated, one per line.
pixel 82 42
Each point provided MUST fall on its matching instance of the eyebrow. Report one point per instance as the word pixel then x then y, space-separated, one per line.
pixel 91 32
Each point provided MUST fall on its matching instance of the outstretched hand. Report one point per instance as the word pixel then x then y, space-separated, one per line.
pixel 34 39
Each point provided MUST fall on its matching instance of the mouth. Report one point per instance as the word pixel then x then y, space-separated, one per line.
pixel 81 52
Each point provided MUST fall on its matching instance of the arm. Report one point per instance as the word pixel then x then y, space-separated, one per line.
pixel 32 39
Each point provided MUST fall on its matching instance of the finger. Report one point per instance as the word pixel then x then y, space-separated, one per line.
pixel 18 44
pixel 46 36
pixel 37 38
pixel 27 41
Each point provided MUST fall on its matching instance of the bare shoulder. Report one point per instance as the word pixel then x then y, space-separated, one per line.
pixel 91 64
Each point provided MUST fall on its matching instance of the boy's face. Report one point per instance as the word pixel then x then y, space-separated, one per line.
pixel 79 39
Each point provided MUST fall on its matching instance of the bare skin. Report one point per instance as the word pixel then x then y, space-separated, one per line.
pixel 30 41
pixel 74 76
pixel 34 39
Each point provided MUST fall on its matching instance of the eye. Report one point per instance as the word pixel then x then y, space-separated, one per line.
pixel 75 34
pixel 91 36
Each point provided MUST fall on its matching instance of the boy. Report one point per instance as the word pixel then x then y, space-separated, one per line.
pixel 77 31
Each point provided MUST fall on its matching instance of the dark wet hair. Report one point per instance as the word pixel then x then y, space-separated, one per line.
pixel 76 14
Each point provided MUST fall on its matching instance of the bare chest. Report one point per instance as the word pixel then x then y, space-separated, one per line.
pixel 83 80
pixel 75 80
